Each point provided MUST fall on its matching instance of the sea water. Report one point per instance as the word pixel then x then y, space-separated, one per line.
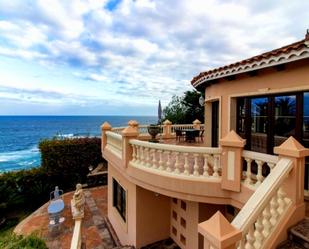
pixel 20 135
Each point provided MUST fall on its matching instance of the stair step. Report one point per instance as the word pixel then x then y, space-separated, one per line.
pixel 288 244
pixel 300 233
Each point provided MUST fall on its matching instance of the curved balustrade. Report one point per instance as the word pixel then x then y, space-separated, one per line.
pixel 256 166
pixel 185 160
pixel 114 143
pixel 118 130
pixel 263 211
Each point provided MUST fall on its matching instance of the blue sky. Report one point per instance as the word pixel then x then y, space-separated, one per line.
pixel 120 57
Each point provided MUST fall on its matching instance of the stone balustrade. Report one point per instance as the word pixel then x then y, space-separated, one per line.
pixel 276 204
pixel 114 143
pixel 262 212
pixel 118 130
pixel 184 160
pixel 258 166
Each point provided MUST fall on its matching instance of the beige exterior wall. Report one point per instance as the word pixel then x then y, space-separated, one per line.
pixel 184 222
pixel 153 217
pixel 126 231
pixel 294 78
pixel 147 213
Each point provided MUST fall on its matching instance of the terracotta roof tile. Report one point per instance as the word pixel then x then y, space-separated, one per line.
pixel 267 55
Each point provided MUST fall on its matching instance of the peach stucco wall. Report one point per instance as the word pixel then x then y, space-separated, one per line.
pixel 294 78
pixel 153 217
pixel 125 231
pixel 148 214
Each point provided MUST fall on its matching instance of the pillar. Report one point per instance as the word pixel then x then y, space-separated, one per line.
pixel 197 124
pixel 232 147
pixel 167 129
pixel 130 132
pixel 104 128
pixel 294 184
pixel 219 233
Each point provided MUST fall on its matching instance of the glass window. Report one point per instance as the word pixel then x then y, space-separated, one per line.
pixel 241 112
pixel 259 121
pixel 306 136
pixel 306 120
pixel 285 118
pixel 119 199
pixel 259 114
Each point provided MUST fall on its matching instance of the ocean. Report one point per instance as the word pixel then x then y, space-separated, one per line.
pixel 20 135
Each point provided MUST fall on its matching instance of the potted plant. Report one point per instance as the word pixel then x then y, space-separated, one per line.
pixel 153 130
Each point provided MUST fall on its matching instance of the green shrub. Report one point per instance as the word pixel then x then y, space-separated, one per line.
pixel 64 163
pixel 70 158
pixel 12 241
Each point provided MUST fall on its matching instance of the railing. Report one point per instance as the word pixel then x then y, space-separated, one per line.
pixel 118 130
pixel 77 235
pixel 181 127
pixel 263 211
pixel 114 143
pixel 185 160
pixel 258 165
pixel 142 129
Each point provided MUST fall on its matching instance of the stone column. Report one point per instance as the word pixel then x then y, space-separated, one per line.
pixel 130 132
pixel 197 124
pixel 231 161
pixel 167 129
pixel 219 233
pixel 104 128
pixel 294 184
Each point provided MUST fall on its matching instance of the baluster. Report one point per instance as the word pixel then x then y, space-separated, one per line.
pixel 250 238
pixel 133 153
pixel 266 221
pixel 258 233
pixel 160 160
pixel 138 154
pixel 147 157
pixel 168 163
pixel 216 166
pixel 176 170
pixel 241 244
pixel 186 165
pixel 273 210
pixel 259 176
pixel 206 167
pixel 195 167
pixel 154 161
pixel 271 166
pixel 248 173
pixel 142 154
pixel 281 200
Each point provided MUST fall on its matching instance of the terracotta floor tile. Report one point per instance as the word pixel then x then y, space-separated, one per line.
pixel 38 221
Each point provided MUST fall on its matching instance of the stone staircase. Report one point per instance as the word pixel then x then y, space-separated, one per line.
pixel 298 236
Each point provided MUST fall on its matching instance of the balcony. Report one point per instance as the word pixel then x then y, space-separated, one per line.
pixel 268 189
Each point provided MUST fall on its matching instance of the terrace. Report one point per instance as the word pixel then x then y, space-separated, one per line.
pixel 258 184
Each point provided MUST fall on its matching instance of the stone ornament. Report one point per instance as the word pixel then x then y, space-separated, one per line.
pixel 78 202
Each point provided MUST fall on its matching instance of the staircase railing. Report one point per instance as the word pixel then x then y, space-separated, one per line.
pixel 260 162
pixel 263 211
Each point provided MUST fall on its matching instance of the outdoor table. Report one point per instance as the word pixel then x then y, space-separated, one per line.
pixel 190 136
pixel 54 210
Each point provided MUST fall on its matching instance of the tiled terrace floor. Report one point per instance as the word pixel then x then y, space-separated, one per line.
pixel 95 234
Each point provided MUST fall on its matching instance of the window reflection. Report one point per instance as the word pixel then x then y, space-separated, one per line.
pixel 285 118
pixel 259 117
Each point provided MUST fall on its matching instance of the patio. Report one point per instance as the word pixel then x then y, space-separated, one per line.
pixel 95 230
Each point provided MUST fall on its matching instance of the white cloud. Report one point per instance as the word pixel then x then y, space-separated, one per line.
pixel 148 49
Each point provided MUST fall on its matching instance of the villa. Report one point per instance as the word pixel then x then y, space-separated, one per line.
pixel 245 186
